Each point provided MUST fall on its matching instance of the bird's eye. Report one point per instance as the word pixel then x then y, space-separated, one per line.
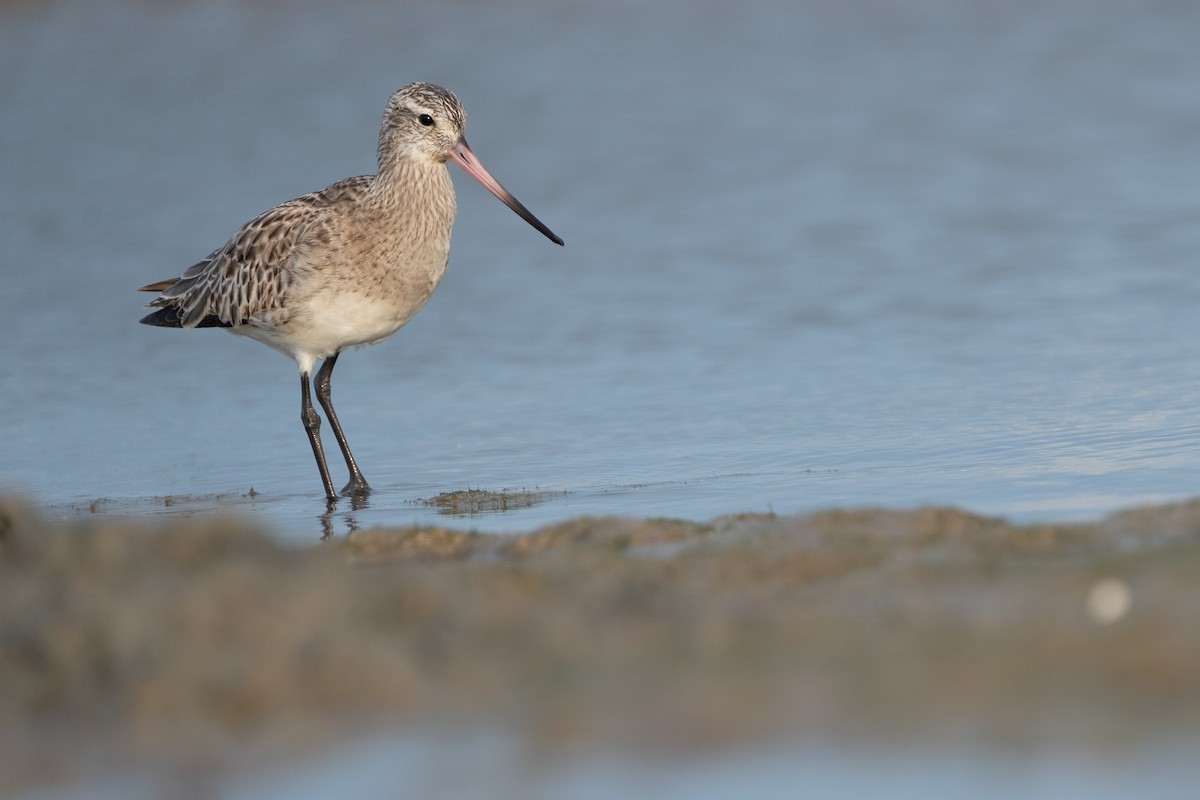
pixel 425 120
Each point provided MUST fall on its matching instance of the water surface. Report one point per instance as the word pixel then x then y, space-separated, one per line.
pixel 838 254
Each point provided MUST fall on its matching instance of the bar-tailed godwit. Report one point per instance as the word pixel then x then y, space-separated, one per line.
pixel 346 266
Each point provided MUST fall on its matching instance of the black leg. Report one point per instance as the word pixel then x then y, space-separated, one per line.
pixel 358 484
pixel 312 424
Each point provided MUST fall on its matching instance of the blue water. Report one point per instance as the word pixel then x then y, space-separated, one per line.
pixel 486 766
pixel 819 254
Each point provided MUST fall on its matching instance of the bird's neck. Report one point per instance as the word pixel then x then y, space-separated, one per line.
pixel 415 194
pixel 405 179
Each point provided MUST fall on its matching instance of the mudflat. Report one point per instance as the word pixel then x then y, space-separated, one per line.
pixel 202 641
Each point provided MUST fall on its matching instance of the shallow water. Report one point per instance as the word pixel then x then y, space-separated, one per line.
pixel 486 767
pixel 830 255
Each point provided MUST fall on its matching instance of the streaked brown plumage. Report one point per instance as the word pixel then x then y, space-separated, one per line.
pixel 346 266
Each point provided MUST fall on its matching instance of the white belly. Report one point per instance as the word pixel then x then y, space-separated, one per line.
pixel 330 323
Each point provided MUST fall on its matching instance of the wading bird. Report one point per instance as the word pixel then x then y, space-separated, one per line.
pixel 346 266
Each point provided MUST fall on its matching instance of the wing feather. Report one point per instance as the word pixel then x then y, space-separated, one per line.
pixel 250 274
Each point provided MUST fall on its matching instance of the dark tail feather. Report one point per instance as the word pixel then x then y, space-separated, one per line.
pixel 164 318
pixel 172 318
pixel 160 286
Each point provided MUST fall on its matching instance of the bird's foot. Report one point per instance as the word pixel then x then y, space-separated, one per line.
pixel 357 487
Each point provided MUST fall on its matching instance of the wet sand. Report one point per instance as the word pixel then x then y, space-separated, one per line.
pixel 205 644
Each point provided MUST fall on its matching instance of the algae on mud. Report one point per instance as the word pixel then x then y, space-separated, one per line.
pixel 179 640
pixel 469 502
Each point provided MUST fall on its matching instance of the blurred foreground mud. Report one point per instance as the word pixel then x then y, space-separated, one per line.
pixel 197 639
